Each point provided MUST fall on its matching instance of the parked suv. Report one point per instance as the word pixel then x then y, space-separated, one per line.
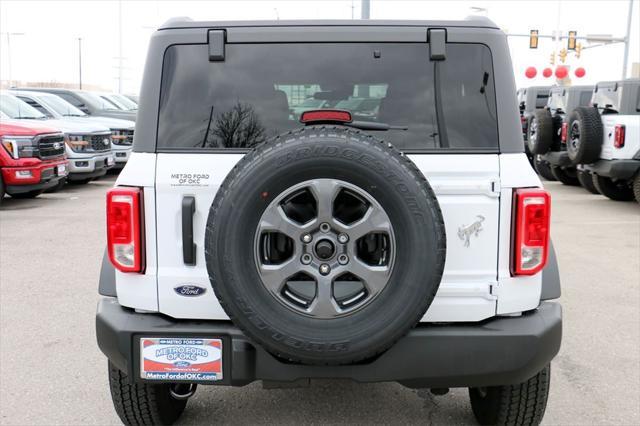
pixel 88 145
pixel 245 244
pixel 604 140
pixel 530 99
pixel 547 134
pixel 54 106
pixel 88 102
pixel 31 158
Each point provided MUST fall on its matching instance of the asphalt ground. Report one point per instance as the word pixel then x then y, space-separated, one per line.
pixel 51 371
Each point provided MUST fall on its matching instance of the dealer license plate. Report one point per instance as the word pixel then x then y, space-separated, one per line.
pixel 177 359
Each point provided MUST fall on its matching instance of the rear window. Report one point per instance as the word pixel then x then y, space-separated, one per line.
pixel 260 90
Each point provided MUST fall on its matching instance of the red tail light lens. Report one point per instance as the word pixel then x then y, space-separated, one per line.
pixel 618 140
pixel 531 233
pixel 124 228
pixel 326 115
pixel 563 133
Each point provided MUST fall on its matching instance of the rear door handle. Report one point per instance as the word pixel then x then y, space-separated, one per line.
pixel 188 246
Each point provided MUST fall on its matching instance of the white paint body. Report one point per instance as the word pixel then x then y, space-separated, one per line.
pixel 632 136
pixel 476 284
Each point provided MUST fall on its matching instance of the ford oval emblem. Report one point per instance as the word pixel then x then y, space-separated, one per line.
pixel 190 290
pixel 182 364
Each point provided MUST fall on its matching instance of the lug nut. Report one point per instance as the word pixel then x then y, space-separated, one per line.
pixel 325 269
pixel 343 238
pixel 343 259
pixel 306 238
pixel 306 259
pixel 324 227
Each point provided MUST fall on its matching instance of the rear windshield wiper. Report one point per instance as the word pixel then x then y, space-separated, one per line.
pixel 371 125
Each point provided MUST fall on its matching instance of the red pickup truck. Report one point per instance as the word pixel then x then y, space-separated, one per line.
pixel 32 159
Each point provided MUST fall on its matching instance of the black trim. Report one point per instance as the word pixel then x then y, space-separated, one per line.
pixel 615 169
pixel 551 277
pixel 75 176
pixel 557 158
pixel 188 246
pixel 498 351
pixel 216 45
pixel 443 137
pixel 107 284
pixel 21 189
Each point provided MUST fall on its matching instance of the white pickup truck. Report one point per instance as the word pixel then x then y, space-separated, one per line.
pixel 609 142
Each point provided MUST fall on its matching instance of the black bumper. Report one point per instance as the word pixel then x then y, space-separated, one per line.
pixel 97 172
pixel 43 185
pixel 557 158
pixel 616 169
pixel 495 352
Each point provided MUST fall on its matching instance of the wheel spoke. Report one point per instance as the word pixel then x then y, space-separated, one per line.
pixel 324 305
pixel 374 220
pixel 324 191
pixel 274 276
pixel 374 277
pixel 275 219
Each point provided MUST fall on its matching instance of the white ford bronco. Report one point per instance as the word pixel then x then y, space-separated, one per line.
pixel 407 241
pixel 604 139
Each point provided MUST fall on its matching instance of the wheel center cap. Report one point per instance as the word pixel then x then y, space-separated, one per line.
pixel 325 249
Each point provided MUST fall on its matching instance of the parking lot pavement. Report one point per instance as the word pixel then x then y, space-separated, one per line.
pixel 51 371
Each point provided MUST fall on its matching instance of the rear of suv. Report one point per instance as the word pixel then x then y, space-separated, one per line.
pixel 31 159
pixel 407 242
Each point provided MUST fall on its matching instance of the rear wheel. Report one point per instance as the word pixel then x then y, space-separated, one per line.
pixel 24 195
pixel 145 404
pixel 543 169
pixel 587 181
pixel 566 175
pixel 540 132
pixel 636 187
pixel 617 190
pixel 520 404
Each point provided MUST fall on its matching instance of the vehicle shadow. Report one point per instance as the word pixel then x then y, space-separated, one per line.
pixel 327 402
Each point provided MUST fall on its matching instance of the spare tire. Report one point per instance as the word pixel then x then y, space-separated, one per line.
pixel 584 135
pixel 325 245
pixel 540 132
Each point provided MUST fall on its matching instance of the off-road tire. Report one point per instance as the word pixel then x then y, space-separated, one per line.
pixel 325 152
pixel 543 169
pixel 143 404
pixel 512 405
pixel 636 187
pixel 544 129
pixel 586 181
pixel 567 175
pixel 618 190
pixel 586 149
pixel 25 195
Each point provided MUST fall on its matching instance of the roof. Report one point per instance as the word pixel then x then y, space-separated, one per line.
pixel 469 22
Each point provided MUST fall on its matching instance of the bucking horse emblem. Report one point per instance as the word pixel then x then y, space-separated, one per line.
pixel 465 232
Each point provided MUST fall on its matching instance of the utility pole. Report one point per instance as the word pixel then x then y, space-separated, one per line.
pixel 366 9
pixel 627 40
pixel 119 46
pixel 80 63
pixel 8 34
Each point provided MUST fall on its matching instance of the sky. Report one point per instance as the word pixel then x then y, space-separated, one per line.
pixel 43 35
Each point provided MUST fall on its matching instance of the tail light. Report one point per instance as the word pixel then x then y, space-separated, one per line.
pixel 563 133
pixel 325 115
pixel 531 232
pixel 618 140
pixel 125 228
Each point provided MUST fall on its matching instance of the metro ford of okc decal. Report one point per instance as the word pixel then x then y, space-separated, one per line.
pixel 181 359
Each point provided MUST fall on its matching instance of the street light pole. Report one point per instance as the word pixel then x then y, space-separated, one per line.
pixel 80 62
pixel 366 9
pixel 627 40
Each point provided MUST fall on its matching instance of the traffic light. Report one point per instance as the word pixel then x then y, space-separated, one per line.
pixel 533 39
pixel 571 42
pixel 552 59
pixel 562 55
pixel 578 50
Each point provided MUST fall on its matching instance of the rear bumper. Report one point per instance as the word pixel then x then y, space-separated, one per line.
pixel 495 352
pixel 33 177
pixel 557 158
pixel 616 169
